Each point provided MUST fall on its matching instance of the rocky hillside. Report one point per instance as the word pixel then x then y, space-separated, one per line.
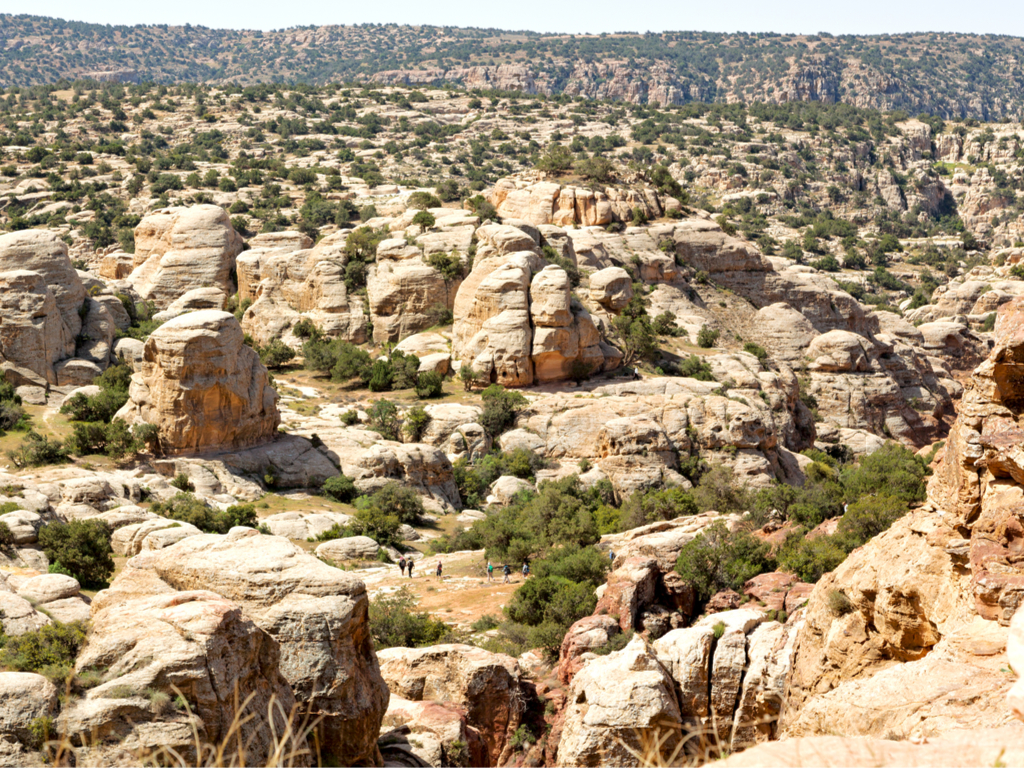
pixel 950 75
pixel 423 429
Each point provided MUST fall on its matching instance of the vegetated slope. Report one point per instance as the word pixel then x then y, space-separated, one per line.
pixel 952 75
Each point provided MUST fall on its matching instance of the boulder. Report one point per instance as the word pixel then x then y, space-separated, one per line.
pixel 349 548
pixel 612 288
pixel 25 697
pixel 504 489
pixel 190 301
pixel 179 249
pixel 251 586
pixel 583 637
pixel 615 701
pixel 33 333
pixel 486 686
pixel 303 525
pixel 432 733
pixel 202 387
pixel 44 253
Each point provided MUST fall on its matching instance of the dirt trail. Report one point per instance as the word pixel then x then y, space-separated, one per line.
pixel 461 597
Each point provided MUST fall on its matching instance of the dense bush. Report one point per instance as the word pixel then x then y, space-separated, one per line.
pixel 38 450
pixel 718 559
pixel 474 479
pixel 12 415
pixel 115 439
pixel 501 406
pixel 187 508
pixel 50 651
pixel 82 547
pixel 340 488
pixel 400 501
pixel 416 421
pixel 113 384
pixel 429 384
pixel 394 624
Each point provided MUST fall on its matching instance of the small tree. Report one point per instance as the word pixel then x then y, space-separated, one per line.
pixel 429 384
pixel 340 488
pixel 416 421
pixel 424 219
pixel 467 376
pixel 383 416
pixel 707 337
pixel 276 354
pixel 82 547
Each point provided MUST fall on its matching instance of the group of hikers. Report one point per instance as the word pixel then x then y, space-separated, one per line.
pixel 507 570
pixel 407 565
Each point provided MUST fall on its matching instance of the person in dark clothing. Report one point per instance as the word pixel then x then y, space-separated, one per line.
pixel 401 564
pixel 507 569
pixel 410 568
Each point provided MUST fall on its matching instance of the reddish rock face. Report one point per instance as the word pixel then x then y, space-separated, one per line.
pixel 630 588
pixel 770 589
pixel 584 636
pixel 724 601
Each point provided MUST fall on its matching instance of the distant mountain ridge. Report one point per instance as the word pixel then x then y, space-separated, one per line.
pixel 951 75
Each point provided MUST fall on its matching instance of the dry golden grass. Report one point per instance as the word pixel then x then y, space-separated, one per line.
pixel 293 742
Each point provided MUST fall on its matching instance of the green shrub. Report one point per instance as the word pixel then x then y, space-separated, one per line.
pixel 182 483
pixel 424 219
pixel 430 384
pixel 340 488
pixel 50 650
pixel 501 406
pixel 717 560
pixel 892 469
pixel 82 547
pixel 718 490
pixel 416 421
pixel 348 418
pixel 383 416
pixel 400 501
pixel 551 599
pixel 707 337
pixel 423 200
pixel 275 354
pixel 394 624
pixel 693 367
pixel 485 623
pixel 38 450
pixel 187 508
pixel 756 350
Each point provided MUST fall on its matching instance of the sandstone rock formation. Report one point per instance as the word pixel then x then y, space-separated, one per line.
pixel 305 282
pixel 925 601
pixel 203 388
pixel 243 607
pixel 33 334
pixel 515 322
pixel 614 701
pixel 178 249
pixel 485 686
pixel 43 252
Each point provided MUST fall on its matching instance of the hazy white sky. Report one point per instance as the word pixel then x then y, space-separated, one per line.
pixel 801 16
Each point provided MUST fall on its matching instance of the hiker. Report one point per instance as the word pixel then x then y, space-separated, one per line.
pixel 439 570
pixel 410 568
pixel 490 571
pixel 636 374
pixel 611 556
pixel 526 570
pixel 401 564
pixel 508 574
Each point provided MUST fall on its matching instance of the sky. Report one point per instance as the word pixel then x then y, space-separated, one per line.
pixel 593 16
